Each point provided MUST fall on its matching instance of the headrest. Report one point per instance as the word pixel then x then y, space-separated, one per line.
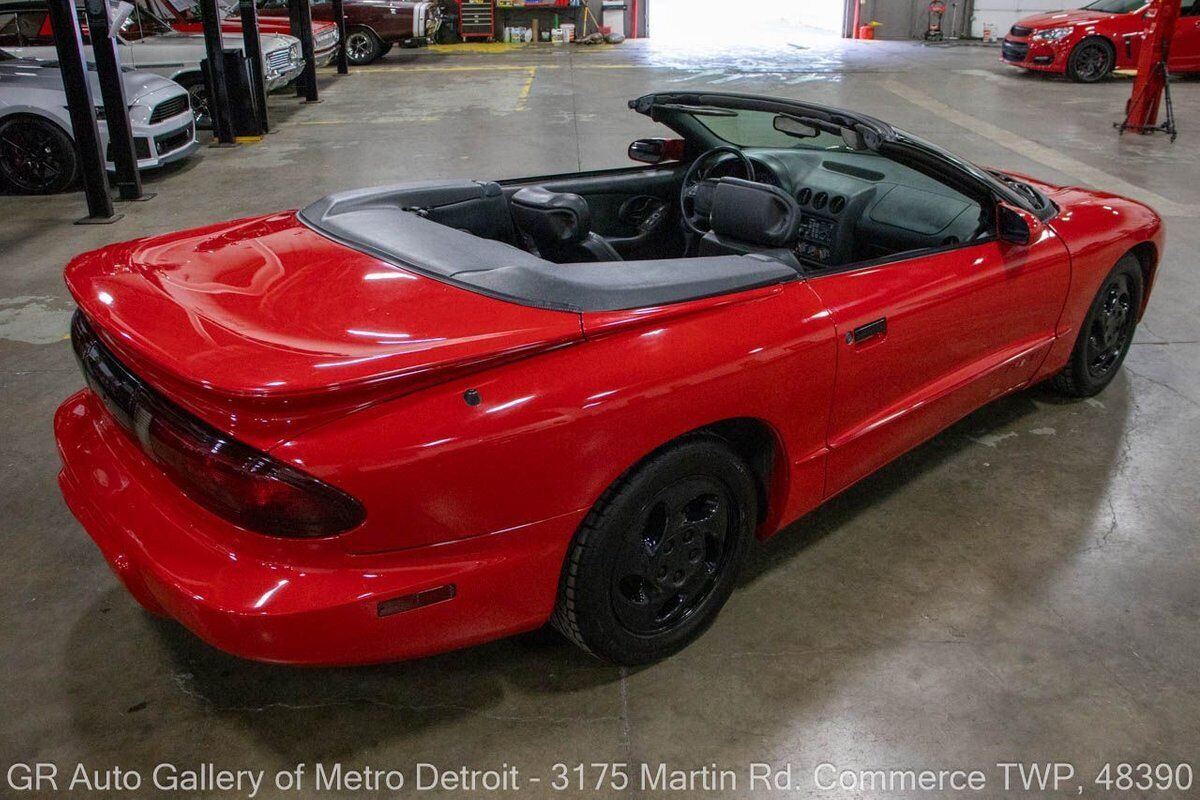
pixel 557 217
pixel 754 212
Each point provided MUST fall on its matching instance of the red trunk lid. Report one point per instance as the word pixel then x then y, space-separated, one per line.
pixel 261 324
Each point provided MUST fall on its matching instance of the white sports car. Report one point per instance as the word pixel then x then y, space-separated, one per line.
pixel 147 43
pixel 37 149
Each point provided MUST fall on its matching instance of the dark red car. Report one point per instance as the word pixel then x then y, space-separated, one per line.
pixel 373 26
pixel 1089 43
pixel 325 34
pixel 413 418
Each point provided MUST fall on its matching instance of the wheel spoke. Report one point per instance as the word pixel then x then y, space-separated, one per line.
pixel 672 556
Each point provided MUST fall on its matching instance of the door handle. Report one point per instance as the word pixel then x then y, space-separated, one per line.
pixel 869 331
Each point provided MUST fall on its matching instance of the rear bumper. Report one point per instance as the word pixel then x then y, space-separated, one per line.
pixel 287 601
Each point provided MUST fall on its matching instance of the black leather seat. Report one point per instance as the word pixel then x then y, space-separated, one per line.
pixel 748 217
pixel 558 225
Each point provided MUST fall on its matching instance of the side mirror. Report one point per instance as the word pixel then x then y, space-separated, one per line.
pixel 1016 225
pixel 654 151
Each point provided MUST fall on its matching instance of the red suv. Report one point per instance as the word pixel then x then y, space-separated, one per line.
pixel 1089 43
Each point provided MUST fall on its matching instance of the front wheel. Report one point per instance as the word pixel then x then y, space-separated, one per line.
pixel 36 156
pixel 1091 60
pixel 363 46
pixel 197 90
pixel 657 556
pixel 1106 334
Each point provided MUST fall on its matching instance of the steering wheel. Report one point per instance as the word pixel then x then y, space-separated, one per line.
pixel 695 195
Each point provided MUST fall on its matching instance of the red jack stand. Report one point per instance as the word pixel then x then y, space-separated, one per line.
pixel 1152 85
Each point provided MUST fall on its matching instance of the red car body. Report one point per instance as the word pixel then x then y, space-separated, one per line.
pixel 1028 43
pixel 476 433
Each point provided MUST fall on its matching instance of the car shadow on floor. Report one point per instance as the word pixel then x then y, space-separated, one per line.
pixel 133 671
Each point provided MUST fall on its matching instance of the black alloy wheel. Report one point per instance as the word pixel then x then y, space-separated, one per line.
pixel 669 565
pixel 1091 60
pixel 1111 330
pixel 36 156
pixel 1106 333
pixel 657 556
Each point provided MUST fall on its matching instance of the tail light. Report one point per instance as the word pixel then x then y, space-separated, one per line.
pixel 231 479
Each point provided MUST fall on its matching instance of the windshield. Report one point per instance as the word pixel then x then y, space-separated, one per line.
pixel 1115 6
pixel 757 129
pixel 6 56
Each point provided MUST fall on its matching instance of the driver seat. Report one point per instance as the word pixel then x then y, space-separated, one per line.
pixel 747 217
pixel 558 226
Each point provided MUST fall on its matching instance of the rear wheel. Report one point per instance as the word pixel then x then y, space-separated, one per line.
pixel 1091 60
pixel 362 46
pixel 36 156
pixel 1106 334
pixel 657 556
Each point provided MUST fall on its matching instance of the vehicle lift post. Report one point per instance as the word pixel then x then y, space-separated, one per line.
pixel 218 88
pixel 69 43
pixel 116 106
pixel 339 16
pixel 249 15
pixel 300 16
pixel 1152 87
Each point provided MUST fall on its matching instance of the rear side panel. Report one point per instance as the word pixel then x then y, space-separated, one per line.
pixel 550 433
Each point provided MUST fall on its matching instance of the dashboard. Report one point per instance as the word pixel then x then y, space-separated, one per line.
pixel 859 206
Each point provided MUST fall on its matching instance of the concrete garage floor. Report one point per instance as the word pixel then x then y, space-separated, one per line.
pixel 1024 587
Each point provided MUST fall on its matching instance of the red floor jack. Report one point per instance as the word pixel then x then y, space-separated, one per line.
pixel 1152 88
pixel 936 11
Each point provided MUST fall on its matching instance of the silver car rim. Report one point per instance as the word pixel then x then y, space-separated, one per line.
pixel 359 46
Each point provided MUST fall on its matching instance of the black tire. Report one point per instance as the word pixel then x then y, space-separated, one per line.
pixel 362 46
pixel 1092 60
pixel 197 91
pixel 36 156
pixel 387 48
pixel 1106 333
pixel 657 556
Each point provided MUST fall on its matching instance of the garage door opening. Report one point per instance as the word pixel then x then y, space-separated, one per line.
pixel 760 23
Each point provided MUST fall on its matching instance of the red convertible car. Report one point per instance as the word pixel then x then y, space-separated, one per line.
pixel 413 418
pixel 1089 43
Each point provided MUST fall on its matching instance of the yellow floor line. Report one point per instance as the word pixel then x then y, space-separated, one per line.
pixel 523 95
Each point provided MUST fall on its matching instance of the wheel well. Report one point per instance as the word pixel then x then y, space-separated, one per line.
pixel 1095 37
pixel 40 118
pixel 757 444
pixel 1147 255
pixel 367 28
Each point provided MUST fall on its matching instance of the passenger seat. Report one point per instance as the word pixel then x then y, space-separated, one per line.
pixel 558 226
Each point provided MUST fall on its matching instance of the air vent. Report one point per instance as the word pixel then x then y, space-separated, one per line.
pixel 804 196
pixel 820 200
pixel 837 204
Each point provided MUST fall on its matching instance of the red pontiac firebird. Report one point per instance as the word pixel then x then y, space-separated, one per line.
pixel 413 418
pixel 1087 44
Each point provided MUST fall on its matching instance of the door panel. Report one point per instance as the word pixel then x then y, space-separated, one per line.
pixel 1185 45
pixel 924 341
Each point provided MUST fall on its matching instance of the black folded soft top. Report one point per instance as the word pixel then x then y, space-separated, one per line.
pixel 441 229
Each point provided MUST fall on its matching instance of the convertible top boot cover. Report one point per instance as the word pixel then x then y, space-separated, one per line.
pixel 400 225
